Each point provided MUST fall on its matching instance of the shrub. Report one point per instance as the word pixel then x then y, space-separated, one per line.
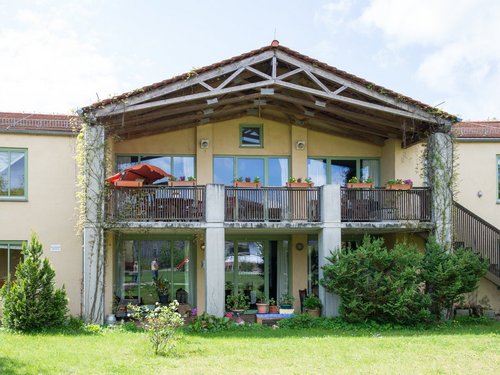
pixel 210 323
pixel 378 284
pixel 448 275
pixel 161 323
pixel 31 302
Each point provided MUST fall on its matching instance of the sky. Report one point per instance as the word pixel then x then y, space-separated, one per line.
pixel 58 56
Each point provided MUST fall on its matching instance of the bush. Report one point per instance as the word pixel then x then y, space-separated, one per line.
pixel 210 323
pixel 449 275
pixel 378 284
pixel 31 302
pixel 162 324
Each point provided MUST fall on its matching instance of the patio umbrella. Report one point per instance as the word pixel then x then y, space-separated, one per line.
pixel 148 172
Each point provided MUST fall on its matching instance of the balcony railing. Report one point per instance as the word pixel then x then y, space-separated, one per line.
pixel 380 204
pixel 272 204
pixel 157 203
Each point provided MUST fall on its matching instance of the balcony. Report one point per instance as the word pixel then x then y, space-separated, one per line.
pixel 266 205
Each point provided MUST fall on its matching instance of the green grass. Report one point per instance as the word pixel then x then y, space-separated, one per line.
pixel 452 349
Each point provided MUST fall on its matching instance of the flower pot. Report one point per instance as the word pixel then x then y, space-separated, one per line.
pixel 489 313
pixel 262 308
pixel 299 184
pixel 163 299
pixel 462 312
pixel 314 312
pixel 286 311
pixel 181 183
pixel 273 309
pixel 240 184
pixel 398 186
pixel 360 185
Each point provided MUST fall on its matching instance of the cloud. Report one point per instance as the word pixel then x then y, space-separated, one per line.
pixel 334 13
pixel 47 67
pixel 460 45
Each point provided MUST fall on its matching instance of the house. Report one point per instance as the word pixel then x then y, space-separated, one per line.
pixel 38 194
pixel 478 199
pixel 274 114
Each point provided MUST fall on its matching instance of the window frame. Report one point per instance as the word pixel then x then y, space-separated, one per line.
pixel 249 126
pixel 9 243
pixel 498 179
pixel 264 179
pixel 357 159
pixel 172 156
pixel 23 197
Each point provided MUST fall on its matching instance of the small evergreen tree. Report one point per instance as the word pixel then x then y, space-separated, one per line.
pixel 31 302
pixel 448 275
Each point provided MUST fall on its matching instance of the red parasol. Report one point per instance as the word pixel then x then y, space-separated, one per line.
pixel 148 172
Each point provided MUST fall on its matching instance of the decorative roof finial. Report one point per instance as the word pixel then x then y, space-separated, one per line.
pixel 275 43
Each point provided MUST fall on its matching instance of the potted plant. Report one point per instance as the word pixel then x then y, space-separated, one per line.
pixel 312 305
pixel 191 181
pixel 357 183
pixel 273 308
pixel 262 304
pixel 162 288
pixel 398 184
pixel 462 309
pixel 286 303
pixel 247 183
pixel 298 182
pixel 237 302
pixel 487 311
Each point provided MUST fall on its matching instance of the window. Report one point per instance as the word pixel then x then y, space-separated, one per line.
pixel 13 166
pixel 10 257
pixel 175 165
pixel 339 171
pixel 498 178
pixel 271 170
pixel 251 136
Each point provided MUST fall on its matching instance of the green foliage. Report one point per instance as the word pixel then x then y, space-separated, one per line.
pixel 31 302
pixel 312 302
pixel 378 284
pixel 450 274
pixel 237 302
pixel 210 323
pixel 162 323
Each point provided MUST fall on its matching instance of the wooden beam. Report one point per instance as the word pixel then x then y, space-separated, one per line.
pixel 274 65
pixel 258 72
pixel 178 85
pixel 317 81
pixel 290 73
pixel 230 78
pixel 206 85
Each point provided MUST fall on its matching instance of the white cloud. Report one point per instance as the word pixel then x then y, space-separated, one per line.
pixel 460 43
pixel 334 13
pixel 47 67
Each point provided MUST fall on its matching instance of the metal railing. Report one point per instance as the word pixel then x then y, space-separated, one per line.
pixel 472 232
pixel 156 203
pixel 272 204
pixel 380 204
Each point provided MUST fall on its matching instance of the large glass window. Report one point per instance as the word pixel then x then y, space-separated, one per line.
pixel 141 262
pixel 273 171
pixel 10 257
pixel 13 166
pixel 175 165
pixel 256 268
pixel 339 171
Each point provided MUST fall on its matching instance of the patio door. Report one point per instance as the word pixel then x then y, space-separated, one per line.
pixel 257 267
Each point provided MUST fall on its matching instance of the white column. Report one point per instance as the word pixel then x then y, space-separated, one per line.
pixel 214 250
pixel 93 233
pixel 329 241
pixel 440 178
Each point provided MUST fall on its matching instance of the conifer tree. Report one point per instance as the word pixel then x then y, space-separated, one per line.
pixel 31 301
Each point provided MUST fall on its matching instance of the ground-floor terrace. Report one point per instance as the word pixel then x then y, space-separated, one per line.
pixel 212 241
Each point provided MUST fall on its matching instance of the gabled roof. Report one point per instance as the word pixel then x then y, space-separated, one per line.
pixel 15 122
pixel 277 83
pixel 477 129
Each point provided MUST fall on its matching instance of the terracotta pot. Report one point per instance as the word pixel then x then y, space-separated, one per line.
pixel 262 308
pixel 299 184
pixel 398 186
pixel 313 312
pixel 181 183
pixel 360 185
pixel 247 184
pixel 273 309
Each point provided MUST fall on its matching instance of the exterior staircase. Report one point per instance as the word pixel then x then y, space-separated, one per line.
pixel 474 233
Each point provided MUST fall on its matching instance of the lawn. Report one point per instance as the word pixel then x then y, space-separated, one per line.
pixel 452 349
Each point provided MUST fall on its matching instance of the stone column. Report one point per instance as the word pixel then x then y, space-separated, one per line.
pixel 214 250
pixel 93 235
pixel 440 179
pixel 329 241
